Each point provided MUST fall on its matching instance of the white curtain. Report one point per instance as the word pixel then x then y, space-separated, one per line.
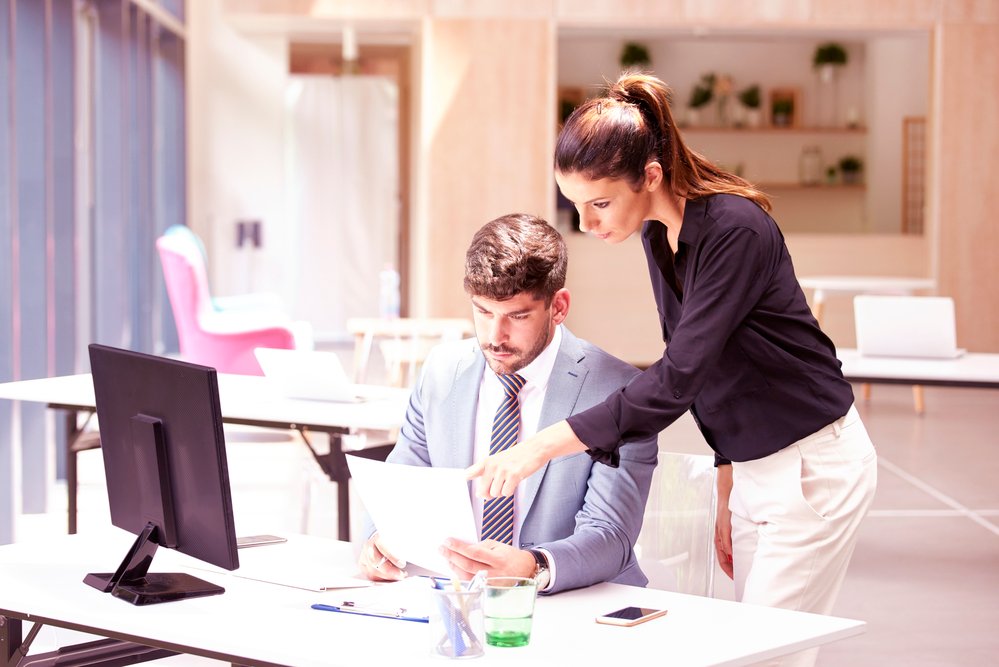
pixel 343 196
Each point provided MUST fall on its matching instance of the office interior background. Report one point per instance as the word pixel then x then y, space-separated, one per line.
pixel 119 118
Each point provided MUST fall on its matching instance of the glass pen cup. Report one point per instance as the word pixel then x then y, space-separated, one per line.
pixel 456 628
pixel 509 610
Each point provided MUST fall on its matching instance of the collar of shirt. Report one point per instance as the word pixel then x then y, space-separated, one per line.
pixel 694 211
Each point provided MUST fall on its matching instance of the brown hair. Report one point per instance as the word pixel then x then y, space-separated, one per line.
pixel 516 253
pixel 616 135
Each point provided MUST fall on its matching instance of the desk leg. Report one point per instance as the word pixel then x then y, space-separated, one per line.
pixel 918 399
pixel 340 474
pixel 72 433
pixel 10 641
pixel 102 652
pixel 818 305
pixel 334 464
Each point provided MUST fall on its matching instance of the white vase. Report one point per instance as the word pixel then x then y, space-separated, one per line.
pixel 827 96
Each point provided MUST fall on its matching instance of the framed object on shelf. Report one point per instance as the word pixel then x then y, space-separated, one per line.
pixel 784 107
pixel 569 97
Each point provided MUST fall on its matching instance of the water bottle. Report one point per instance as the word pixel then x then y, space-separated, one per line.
pixel 388 292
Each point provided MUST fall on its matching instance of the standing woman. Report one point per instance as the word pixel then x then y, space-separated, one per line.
pixel 796 468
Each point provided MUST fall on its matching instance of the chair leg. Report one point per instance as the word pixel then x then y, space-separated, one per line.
pixel 917 398
pixel 865 391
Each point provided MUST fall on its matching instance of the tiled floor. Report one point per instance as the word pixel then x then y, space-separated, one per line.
pixel 926 571
pixel 925 575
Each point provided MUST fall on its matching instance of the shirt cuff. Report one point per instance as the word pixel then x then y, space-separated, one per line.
pixel 597 429
pixel 551 569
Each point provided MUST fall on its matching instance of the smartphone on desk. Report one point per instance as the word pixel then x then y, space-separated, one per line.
pixel 629 616
pixel 258 540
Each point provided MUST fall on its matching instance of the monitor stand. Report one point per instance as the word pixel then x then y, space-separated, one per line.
pixel 133 583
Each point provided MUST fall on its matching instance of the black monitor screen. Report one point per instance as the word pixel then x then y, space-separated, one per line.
pixel 165 461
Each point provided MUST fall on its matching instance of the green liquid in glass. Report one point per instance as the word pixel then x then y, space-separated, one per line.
pixel 508 631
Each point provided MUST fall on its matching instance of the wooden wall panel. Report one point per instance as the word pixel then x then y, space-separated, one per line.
pixel 968 170
pixel 486 135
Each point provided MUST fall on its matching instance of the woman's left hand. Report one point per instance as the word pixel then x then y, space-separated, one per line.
pixel 501 473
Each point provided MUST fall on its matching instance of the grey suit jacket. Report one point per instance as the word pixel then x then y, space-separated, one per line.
pixel 587 515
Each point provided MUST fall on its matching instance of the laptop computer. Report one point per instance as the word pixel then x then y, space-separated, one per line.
pixel 906 326
pixel 308 374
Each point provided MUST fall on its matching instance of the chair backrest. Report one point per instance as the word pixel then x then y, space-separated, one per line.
pixel 186 277
pixel 404 343
pixel 676 546
pixel 206 336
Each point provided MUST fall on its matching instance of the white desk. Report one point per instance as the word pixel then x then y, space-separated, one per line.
pixel 823 286
pixel 978 370
pixel 265 624
pixel 244 399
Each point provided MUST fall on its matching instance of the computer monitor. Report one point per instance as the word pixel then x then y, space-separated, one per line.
pixel 167 477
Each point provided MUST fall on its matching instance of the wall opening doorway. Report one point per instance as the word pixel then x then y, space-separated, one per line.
pixel 348 175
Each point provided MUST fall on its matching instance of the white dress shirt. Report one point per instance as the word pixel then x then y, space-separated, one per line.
pixel 532 398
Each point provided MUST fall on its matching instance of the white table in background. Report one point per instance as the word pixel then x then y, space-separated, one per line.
pixel 244 399
pixel 823 286
pixel 257 623
pixel 976 370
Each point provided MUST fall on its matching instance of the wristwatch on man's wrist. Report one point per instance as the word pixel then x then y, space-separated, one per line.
pixel 542 575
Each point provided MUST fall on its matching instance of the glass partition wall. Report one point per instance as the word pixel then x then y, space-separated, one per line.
pixel 92 135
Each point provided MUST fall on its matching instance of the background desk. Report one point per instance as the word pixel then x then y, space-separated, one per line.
pixel 823 286
pixel 247 400
pixel 977 370
pixel 265 624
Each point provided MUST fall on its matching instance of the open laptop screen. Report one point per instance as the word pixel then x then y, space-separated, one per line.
pixel 906 326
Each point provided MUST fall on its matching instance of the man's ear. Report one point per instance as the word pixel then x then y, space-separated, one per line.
pixel 653 175
pixel 560 305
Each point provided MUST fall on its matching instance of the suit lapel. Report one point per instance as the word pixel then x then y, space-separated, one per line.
pixel 461 435
pixel 564 385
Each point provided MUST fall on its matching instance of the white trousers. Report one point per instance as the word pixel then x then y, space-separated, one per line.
pixel 795 516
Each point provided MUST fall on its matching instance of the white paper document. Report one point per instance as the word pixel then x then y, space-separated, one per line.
pixel 415 508
pixel 301 562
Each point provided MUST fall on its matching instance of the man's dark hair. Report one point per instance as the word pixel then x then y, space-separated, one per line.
pixel 516 253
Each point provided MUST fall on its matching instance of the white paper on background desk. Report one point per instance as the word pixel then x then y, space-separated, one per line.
pixel 297 563
pixel 415 508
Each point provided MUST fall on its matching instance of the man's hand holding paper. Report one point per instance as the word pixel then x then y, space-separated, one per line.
pixel 415 510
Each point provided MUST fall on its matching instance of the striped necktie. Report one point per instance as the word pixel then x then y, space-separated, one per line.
pixel 497 514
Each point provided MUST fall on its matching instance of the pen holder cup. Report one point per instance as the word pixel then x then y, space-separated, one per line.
pixel 456 626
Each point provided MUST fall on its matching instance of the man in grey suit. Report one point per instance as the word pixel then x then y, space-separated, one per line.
pixel 573 522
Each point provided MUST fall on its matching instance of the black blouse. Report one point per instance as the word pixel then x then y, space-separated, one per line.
pixel 744 353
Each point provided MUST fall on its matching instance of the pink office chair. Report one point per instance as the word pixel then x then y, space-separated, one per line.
pixel 209 335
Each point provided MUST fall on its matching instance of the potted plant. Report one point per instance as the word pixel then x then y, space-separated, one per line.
pixel 700 97
pixel 783 112
pixel 635 55
pixel 850 167
pixel 750 99
pixel 827 58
